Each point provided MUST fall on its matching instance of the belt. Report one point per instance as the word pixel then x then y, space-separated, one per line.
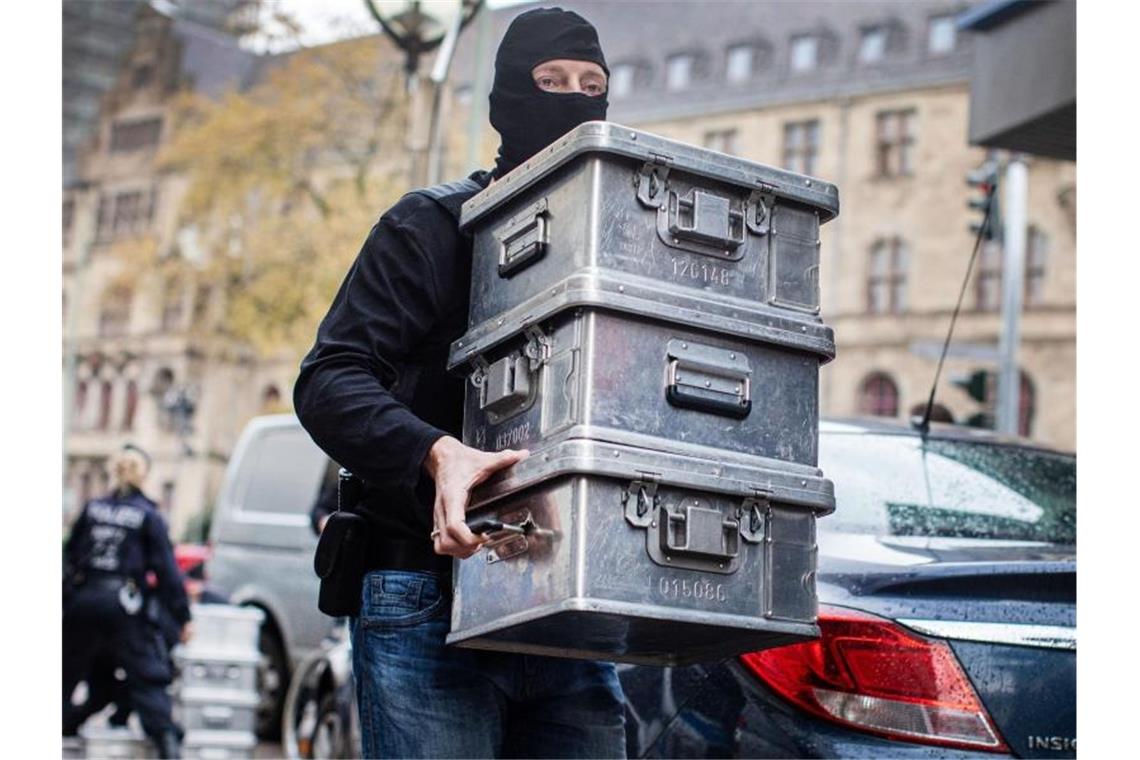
pixel 397 554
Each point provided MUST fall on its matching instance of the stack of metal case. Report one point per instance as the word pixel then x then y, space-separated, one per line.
pixel 217 695
pixel 645 319
pixel 110 743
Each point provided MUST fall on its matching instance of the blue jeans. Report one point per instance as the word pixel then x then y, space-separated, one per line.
pixel 420 698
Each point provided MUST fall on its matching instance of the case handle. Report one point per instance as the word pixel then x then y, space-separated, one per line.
pixel 524 239
pixel 708 379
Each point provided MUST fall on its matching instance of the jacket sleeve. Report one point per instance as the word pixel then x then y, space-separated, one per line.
pixel 344 391
pixel 160 559
pixel 72 549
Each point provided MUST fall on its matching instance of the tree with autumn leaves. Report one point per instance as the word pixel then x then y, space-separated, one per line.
pixel 282 183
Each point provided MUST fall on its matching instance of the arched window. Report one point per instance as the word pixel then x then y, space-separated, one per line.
pixel 130 405
pixel 80 399
pixel 115 311
pixel 105 393
pixel 886 276
pixel 879 396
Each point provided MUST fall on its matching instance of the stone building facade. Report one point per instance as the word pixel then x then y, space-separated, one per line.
pixel 133 370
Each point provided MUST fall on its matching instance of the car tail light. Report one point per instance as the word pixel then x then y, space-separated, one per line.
pixel 870 674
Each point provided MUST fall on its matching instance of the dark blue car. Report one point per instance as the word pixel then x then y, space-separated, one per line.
pixel 947 587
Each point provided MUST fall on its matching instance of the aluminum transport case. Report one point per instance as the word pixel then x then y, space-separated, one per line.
pixel 600 304
pixel 645 319
pixel 689 221
pixel 635 556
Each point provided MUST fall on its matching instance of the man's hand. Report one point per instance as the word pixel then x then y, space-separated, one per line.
pixel 456 469
pixel 187 632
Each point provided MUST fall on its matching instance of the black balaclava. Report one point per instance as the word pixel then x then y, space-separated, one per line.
pixel 526 117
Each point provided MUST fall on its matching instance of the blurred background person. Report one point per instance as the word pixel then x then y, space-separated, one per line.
pixel 116 541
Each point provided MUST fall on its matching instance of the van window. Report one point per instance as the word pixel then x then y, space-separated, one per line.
pixel 284 472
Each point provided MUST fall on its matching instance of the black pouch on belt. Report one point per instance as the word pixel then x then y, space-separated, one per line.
pixel 340 557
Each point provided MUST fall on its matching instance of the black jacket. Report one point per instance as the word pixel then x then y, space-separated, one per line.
pixel 124 535
pixel 374 392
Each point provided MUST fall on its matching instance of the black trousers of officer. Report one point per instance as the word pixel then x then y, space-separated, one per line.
pixel 95 626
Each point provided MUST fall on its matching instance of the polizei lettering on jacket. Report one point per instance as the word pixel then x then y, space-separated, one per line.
pixel 126 515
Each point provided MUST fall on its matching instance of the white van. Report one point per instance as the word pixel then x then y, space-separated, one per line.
pixel 263 542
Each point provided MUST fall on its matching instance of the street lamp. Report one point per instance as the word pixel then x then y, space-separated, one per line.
pixel 418 27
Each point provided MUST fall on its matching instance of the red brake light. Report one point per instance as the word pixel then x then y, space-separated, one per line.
pixel 868 673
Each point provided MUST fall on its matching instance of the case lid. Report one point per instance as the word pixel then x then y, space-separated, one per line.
pixel 607 137
pixel 645 297
pixel 787 484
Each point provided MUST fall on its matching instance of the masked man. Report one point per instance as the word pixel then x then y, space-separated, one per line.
pixel 374 394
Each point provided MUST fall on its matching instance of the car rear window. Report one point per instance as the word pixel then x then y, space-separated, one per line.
pixel 895 485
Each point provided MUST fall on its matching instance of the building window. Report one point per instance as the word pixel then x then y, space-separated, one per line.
pixel 873 45
pixel 122 214
pixel 80 402
pixel 723 140
pixel 130 405
pixel 942 35
pixel 106 392
pixel 621 80
pixel 987 286
pixel 115 313
pixel 679 71
pixel 894 143
pixel 740 63
pixel 801 146
pixel 1036 252
pixel 135 135
pixel 879 396
pixel 886 278
pixel 805 53
pixel 142 75
pixel 172 305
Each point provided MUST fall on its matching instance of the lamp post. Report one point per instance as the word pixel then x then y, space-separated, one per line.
pixel 418 27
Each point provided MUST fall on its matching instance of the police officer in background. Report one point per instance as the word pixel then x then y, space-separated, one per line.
pixel 116 541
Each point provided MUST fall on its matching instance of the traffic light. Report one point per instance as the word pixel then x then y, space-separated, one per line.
pixel 985 180
pixel 977 384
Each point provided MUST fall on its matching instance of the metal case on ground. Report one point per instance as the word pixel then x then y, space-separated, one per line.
pixel 218 709
pixel 115 743
pixel 204 668
pixel 635 556
pixel 218 745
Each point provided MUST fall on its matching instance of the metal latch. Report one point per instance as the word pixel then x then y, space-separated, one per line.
pixel 509 385
pixel 758 210
pixel 651 184
pixel 752 515
pixel 639 499
pixel 706 219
